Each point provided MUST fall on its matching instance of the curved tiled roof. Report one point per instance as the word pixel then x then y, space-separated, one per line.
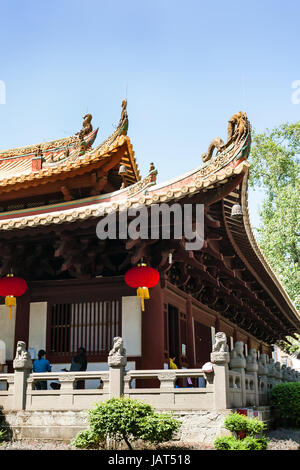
pixel 59 158
pixel 17 163
pixel 217 171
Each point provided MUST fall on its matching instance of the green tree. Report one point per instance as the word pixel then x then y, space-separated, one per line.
pixel 275 167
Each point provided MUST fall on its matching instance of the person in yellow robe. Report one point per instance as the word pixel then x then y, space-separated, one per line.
pixel 172 363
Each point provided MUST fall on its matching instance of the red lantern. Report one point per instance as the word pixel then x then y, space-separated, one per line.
pixel 10 288
pixel 142 277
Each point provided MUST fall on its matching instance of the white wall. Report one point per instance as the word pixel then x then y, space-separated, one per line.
pixel 2 352
pixel 7 330
pixel 37 326
pixel 132 325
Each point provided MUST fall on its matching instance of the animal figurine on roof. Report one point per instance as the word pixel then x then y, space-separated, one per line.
pixel 218 144
pixel 237 126
pixel 123 123
pixel 86 126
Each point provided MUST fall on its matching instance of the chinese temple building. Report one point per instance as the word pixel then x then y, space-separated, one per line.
pixel 52 196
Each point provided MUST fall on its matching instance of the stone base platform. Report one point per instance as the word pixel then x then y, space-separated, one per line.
pixel 197 425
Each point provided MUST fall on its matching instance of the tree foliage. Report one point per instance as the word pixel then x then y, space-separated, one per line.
pixel 286 398
pixel 275 167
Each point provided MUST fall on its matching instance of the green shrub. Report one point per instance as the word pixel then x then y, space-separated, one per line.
pixel 252 428
pixel 86 440
pixel 249 443
pixel 236 423
pixel 158 428
pixel 125 419
pixel 252 443
pixel 255 427
pixel 226 443
pixel 286 398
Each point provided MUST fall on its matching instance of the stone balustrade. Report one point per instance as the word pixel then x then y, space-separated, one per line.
pixel 251 378
pixel 67 396
pixel 168 395
pixel 234 381
pixel 7 382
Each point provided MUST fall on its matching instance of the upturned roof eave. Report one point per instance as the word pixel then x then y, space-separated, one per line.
pixel 260 269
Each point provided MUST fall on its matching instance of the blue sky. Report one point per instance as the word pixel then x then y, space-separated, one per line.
pixel 185 68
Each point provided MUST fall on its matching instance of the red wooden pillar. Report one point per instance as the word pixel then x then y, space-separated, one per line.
pixel 153 331
pixel 190 335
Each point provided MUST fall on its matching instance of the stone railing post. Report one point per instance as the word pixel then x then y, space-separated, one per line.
pixel 238 364
pixel 22 365
pixel 220 359
pixel 252 369
pixel 262 376
pixel 278 373
pixel 293 374
pixel 167 387
pixel 271 374
pixel 67 383
pixel 117 361
pixel 284 373
pixel 289 374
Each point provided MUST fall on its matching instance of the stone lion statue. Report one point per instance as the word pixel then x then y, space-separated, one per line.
pixel 117 355
pixel 23 358
pixel 289 374
pixel 252 356
pixel 220 342
pixel 284 373
pixel 21 352
pixel 237 358
pixel 238 350
pixel 271 367
pixel 278 372
pixel 251 361
pixel 117 349
pixel 262 364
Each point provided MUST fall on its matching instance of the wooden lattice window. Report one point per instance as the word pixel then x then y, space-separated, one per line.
pixel 91 325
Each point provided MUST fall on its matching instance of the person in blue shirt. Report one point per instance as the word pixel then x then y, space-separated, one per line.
pixel 41 365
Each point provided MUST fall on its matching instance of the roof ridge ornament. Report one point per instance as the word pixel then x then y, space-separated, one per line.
pixel 86 126
pixel 237 128
pixel 123 123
